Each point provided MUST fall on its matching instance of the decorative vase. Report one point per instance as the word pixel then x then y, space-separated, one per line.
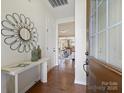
pixel 39 52
pixel 34 55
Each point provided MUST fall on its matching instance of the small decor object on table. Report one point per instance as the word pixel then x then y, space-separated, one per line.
pixel 34 55
pixel 39 52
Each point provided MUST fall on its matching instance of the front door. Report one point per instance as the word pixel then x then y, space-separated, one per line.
pixel 103 64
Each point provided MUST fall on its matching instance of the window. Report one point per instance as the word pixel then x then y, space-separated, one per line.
pixel 106 30
pixel 102 16
pixel 101 29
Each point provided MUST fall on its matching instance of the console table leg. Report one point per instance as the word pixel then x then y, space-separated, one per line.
pixel 43 72
pixel 16 83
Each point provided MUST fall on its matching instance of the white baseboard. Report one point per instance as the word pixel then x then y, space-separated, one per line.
pixel 80 82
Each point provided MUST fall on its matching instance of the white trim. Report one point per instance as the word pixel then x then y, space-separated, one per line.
pixel 102 31
pixel 57 44
pixel 96 53
pixel 99 4
pixel 107 33
pixel 114 25
pixel 90 28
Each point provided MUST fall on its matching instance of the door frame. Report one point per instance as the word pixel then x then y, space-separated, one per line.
pixel 59 21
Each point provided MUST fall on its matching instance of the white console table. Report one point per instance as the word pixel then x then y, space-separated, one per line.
pixel 16 69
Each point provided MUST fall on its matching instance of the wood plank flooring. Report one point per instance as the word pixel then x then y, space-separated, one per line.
pixel 60 80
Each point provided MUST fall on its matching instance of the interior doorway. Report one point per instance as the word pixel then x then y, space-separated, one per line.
pixel 66 42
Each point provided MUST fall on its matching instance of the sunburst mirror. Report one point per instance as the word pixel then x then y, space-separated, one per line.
pixel 19 32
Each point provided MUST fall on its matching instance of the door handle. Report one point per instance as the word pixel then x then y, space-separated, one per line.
pixel 87 53
pixel 85 69
pixel 85 66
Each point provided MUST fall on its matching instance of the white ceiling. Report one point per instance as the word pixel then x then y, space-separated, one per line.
pixel 66 29
pixel 62 11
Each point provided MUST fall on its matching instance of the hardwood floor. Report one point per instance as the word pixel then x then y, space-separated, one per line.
pixel 60 80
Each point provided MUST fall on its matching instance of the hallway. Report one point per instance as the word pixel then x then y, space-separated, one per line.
pixel 60 80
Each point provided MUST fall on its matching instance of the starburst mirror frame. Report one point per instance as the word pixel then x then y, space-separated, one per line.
pixel 19 32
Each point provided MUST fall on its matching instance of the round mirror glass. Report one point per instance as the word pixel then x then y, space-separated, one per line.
pixel 25 34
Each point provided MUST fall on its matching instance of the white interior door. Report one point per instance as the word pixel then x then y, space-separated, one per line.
pixel 51 43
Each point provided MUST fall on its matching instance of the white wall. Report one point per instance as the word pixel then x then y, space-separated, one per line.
pixel 80 41
pixel 37 12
